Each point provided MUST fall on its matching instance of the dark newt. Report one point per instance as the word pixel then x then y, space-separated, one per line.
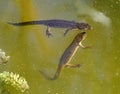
pixel 67 56
pixel 57 23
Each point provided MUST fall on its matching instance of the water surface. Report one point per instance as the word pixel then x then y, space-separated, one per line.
pixel 31 50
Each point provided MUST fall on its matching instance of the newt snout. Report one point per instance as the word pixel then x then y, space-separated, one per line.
pixel 83 26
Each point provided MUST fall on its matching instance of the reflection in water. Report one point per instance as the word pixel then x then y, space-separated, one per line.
pixel 97 16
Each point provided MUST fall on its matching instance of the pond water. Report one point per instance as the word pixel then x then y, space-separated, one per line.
pixel 31 50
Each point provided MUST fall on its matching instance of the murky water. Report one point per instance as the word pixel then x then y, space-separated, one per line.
pixel 31 50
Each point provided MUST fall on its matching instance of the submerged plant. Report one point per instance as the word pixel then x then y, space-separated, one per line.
pixel 3 57
pixel 14 80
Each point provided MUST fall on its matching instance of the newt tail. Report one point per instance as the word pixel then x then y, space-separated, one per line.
pixel 57 74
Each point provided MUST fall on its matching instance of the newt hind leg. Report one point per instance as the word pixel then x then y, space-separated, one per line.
pixel 48 32
pixel 72 65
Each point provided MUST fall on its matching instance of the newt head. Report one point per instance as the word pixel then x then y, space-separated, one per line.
pixel 83 26
pixel 80 37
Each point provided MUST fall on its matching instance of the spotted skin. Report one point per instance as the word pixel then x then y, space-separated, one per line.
pixel 67 56
pixel 56 23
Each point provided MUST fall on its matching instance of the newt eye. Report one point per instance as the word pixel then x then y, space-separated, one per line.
pixel 83 26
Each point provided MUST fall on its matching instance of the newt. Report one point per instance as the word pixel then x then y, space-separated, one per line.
pixel 67 56
pixel 56 23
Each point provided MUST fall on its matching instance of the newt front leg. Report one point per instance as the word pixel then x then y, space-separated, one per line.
pixel 67 30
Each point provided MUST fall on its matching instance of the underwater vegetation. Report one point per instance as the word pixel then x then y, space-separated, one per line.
pixel 13 79
pixel 3 57
pixel 10 78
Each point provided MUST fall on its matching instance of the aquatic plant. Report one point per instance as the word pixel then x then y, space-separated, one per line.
pixel 3 58
pixel 14 80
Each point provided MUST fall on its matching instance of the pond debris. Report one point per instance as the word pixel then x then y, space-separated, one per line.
pixel 14 80
pixel 3 58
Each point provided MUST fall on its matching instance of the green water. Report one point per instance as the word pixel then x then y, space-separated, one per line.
pixel 31 50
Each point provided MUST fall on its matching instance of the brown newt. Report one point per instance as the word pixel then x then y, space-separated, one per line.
pixel 67 56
